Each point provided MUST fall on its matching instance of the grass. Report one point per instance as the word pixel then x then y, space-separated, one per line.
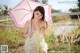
pixel 13 37
pixel 1 18
pixel 63 43
pixel 75 20
pixel 63 19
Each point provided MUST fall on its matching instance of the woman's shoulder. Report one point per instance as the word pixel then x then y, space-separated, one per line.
pixel 28 22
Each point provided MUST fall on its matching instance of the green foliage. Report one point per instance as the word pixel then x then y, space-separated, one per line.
pixel 58 45
pixel 79 4
pixel 78 0
pixel 76 9
pixel 55 19
pixel 11 36
pixel 14 37
pixel 55 11
pixel 60 18
pixel 4 10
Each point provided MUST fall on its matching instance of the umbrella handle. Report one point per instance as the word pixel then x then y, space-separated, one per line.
pixel 31 25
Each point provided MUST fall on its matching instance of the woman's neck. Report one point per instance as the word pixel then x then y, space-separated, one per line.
pixel 36 21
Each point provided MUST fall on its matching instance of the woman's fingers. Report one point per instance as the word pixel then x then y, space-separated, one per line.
pixel 31 34
pixel 26 36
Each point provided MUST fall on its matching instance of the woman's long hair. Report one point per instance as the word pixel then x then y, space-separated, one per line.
pixel 41 10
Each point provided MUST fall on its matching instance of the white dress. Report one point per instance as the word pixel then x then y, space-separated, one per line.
pixel 36 43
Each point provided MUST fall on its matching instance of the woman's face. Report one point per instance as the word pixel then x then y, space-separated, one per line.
pixel 37 15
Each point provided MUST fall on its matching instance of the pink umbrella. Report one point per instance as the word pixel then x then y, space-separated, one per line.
pixel 24 10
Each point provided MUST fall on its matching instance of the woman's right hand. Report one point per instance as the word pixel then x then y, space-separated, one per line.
pixel 29 35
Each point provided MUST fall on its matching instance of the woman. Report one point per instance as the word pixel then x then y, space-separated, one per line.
pixel 34 32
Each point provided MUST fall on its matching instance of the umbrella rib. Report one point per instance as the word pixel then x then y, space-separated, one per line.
pixel 29 5
pixel 24 16
pixel 25 9
pixel 22 9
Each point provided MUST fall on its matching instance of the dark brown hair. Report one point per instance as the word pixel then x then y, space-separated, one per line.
pixel 41 10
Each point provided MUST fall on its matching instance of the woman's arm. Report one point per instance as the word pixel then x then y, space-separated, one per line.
pixel 44 27
pixel 25 29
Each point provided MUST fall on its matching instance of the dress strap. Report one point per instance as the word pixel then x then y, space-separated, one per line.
pixel 30 26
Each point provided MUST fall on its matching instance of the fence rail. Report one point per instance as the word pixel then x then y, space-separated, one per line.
pixel 59 14
pixel 4 16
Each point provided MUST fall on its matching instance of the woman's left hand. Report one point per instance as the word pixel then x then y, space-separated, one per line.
pixel 44 26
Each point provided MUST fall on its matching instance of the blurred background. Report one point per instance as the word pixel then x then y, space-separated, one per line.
pixel 63 36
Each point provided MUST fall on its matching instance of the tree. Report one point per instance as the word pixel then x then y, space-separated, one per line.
pixel 76 9
pixel 0 9
pixel 79 4
pixel 4 10
pixel 55 11
pixel 44 1
pixel 36 0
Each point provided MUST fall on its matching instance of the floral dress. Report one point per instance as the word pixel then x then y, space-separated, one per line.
pixel 36 43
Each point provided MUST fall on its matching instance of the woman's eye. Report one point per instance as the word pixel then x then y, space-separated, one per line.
pixel 40 15
pixel 37 14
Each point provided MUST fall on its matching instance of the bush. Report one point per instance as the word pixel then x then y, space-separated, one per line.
pixel 56 43
pixel 11 36
pixel 60 18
